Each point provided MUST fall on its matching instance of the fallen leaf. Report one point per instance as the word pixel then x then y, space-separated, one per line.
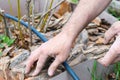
pixel 64 7
pixel 97 21
pixel 100 40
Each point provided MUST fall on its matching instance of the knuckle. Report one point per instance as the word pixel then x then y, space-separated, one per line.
pixel 42 51
pixel 61 59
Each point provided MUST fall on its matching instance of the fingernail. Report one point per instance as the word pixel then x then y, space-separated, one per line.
pixel 50 73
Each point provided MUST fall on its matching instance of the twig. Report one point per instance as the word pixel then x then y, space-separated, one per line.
pixel 48 12
pixel 5 22
pixel 48 20
pixel 28 17
pixel 45 8
pixel 33 12
pixel 46 17
pixel 46 5
pixel 97 57
pixel 19 16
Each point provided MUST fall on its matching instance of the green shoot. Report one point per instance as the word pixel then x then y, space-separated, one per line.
pixel 93 73
pixel 5 41
pixel 73 1
pixel 0 53
pixel 11 10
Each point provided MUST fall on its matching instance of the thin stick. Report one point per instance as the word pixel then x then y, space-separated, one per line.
pixel 28 17
pixel 48 12
pixel 46 17
pixel 45 8
pixel 5 23
pixel 48 20
pixel 33 12
pixel 19 16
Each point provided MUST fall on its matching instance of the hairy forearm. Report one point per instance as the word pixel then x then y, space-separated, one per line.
pixel 86 11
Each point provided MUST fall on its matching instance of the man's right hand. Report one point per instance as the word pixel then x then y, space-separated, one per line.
pixel 57 47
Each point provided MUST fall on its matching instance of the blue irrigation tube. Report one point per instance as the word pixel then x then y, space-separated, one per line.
pixel 44 39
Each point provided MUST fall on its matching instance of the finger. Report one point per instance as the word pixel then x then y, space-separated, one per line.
pixel 54 66
pixel 109 35
pixel 107 59
pixel 112 54
pixel 29 63
pixel 40 63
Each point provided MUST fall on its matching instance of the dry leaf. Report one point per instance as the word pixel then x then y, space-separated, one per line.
pixel 64 7
pixel 100 40
pixel 97 21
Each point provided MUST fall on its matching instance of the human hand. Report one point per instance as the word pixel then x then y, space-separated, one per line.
pixel 113 55
pixel 57 47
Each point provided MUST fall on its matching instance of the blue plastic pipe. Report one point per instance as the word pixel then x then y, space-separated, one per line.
pixel 44 39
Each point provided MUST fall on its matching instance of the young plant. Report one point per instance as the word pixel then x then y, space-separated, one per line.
pixel 73 1
pixel 117 70
pixel 114 13
pixel 94 72
pixel 0 53
pixel 5 41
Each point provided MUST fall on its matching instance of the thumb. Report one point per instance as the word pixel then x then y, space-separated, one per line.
pixel 112 54
pixel 110 33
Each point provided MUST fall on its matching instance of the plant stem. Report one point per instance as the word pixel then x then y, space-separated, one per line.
pixel 33 12
pixel 46 17
pixel 48 12
pixel 11 10
pixel 19 16
pixel 7 33
pixel 6 27
pixel 48 20
pixel 28 17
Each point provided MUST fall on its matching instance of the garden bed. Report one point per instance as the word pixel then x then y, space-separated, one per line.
pixel 88 46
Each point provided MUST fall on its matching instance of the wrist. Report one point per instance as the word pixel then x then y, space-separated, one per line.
pixel 69 34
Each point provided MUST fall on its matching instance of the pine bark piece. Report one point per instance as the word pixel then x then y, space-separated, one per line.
pixel 64 7
pixel 78 60
pixel 97 57
pixel 96 50
pixel 6 51
pixel 4 63
pixel 19 58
